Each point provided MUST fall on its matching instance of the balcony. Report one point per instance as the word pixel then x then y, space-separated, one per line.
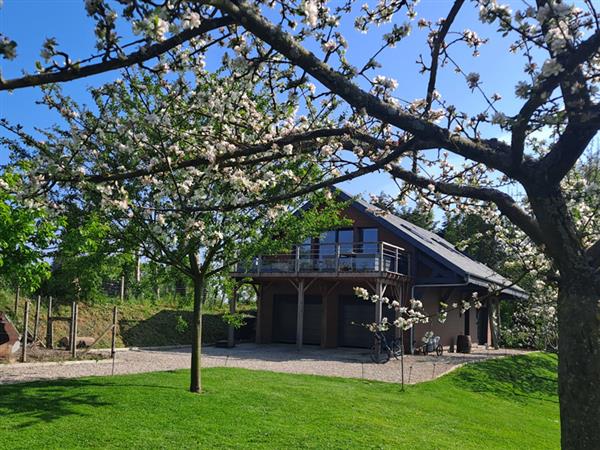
pixel 331 259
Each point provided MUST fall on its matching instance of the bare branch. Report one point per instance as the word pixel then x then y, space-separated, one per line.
pixel 137 57
pixel 435 53
pixel 492 153
pixel 503 201
pixel 570 146
pixel 541 92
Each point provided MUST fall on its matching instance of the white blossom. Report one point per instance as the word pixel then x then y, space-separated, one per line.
pixel 311 12
pixel 551 68
pixel 191 20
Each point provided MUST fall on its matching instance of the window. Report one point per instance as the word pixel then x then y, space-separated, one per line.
pixel 329 239
pixel 306 248
pixel 368 239
pixel 327 243
pixel 345 238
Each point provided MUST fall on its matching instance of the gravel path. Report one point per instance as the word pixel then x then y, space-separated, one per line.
pixel 349 363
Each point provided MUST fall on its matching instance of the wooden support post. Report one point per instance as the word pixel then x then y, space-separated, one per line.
pixel 17 295
pixel 324 317
pixel 378 311
pixel 232 308
pixel 36 322
pixel 25 333
pixel 379 304
pixel 300 316
pixel 50 326
pixel 122 292
pixel 259 313
pixel 498 323
pixel 113 342
pixel 74 325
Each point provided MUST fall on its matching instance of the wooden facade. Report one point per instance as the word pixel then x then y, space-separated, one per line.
pixel 307 297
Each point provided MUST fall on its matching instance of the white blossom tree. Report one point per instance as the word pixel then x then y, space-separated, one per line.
pixel 171 136
pixel 434 148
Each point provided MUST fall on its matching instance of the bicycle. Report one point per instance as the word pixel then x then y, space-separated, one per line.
pixel 382 351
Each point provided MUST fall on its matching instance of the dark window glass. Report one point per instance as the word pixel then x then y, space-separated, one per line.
pixel 327 243
pixel 369 238
pixel 306 247
pixel 345 239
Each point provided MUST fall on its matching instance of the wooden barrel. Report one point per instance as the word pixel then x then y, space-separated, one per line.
pixel 463 343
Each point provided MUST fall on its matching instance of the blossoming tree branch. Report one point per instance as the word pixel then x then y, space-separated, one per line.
pixel 345 118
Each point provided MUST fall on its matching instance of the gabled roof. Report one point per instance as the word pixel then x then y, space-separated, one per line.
pixel 437 248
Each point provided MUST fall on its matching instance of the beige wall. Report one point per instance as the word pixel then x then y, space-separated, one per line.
pixel 454 324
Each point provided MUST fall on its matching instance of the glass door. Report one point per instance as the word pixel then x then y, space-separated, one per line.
pixel 368 249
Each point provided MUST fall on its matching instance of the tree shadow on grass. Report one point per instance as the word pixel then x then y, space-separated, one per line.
pixel 31 403
pixel 521 378
pixel 170 327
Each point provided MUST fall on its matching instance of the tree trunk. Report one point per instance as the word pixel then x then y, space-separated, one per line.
pixel 195 381
pixel 579 361
pixel 578 323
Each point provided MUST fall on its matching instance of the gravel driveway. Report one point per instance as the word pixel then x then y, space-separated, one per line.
pixel 349 363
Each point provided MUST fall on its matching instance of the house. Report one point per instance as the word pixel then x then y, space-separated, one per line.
pixel 307 297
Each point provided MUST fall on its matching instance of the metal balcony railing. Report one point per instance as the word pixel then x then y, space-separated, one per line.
pixel 353 257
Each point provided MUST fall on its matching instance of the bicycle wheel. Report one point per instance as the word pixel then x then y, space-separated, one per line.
pixel 439 350
pixel 379 355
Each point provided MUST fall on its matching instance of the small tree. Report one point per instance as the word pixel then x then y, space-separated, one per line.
pixel 25 233
pixel 172 135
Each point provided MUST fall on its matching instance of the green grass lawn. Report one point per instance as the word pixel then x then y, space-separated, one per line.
pixel 504 403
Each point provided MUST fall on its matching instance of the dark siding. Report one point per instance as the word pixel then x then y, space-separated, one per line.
pixel 285 310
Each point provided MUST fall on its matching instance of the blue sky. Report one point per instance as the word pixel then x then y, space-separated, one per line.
pixel 29 22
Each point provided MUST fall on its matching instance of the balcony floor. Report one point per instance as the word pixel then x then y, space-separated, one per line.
pixel 320 274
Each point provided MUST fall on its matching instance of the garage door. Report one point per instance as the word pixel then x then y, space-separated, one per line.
pixel 354 311
pixel 285 310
